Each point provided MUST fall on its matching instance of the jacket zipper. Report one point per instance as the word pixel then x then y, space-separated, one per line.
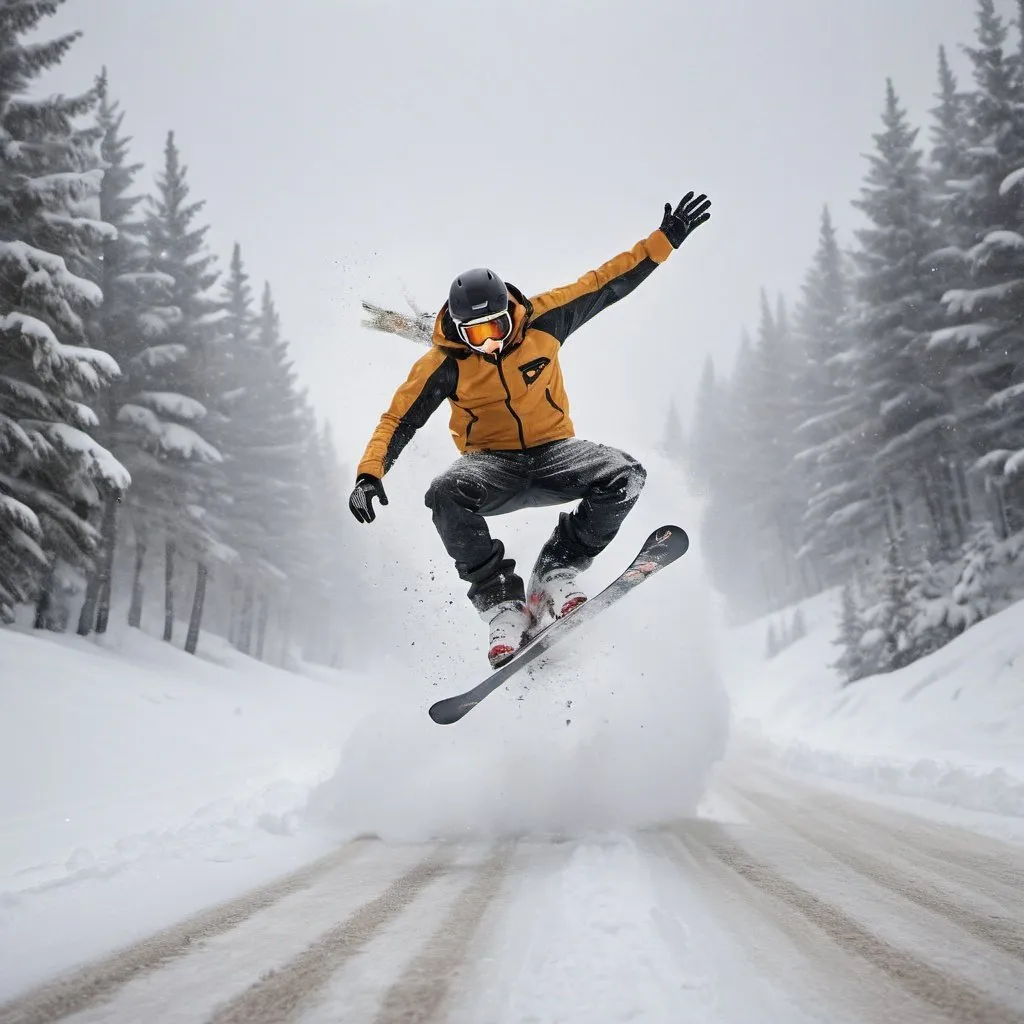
pixel 508 402
pixel 469 427
pixel 551 401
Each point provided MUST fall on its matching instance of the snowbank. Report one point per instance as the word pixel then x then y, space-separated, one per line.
pixel 138 784
pixel 950 727
pixel 104 752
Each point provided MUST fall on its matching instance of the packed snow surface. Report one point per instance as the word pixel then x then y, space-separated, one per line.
pixel 950 727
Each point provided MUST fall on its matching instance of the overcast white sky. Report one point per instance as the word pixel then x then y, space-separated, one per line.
pixel 355 145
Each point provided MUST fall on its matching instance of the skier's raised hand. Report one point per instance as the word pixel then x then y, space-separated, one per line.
pixel 360 502
pixel 687 216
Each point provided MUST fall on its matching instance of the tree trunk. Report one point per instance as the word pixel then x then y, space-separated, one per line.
pixel 44 606
pixel 261 626
pixel 138 591
pixel 169 552
pixel 935 507
pixel 98 582
pixel 958 504
pixel 196 619
pixel 286 634
pixel 245 624
pixel 234 611
pixel 894 518
pixel 87 616
pixel 105 573
pixel 1002 522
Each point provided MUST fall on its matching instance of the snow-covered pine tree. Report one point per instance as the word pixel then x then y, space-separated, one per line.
pixel 230 373
pixel 725 444
pixel 990 576
pixel 705 447
pixel 170 413
pixel 903 416
pixel 895 616
pixel 324 603
pixel 984 338
pixel 853 663
pixel 130 324
pixel 262 432
pixel 717 454
pixel 673 441
pixel 277 448
pixel 51 468
pixel 950 177
pixel 763 404
pixel 827 411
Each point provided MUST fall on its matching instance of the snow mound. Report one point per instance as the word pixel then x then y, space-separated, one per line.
pixel 109 756
pixel 950 727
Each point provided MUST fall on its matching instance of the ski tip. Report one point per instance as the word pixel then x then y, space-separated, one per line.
pixel 448 712
pixel 673 536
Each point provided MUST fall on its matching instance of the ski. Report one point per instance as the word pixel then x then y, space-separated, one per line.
pixel 661 548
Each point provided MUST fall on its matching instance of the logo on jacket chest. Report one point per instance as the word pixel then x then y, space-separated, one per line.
pixel 533 369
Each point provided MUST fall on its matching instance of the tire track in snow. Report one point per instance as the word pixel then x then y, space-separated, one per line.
pixel 998 931
pixel 996 865
pixel 819 977
pixel 101 980
pixel 420 993
pixel 282 994
pixel 953 997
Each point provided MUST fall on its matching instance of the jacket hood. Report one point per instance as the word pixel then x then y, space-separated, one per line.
pixel 445 336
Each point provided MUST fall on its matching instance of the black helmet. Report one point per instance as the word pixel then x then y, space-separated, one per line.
pixel 476 294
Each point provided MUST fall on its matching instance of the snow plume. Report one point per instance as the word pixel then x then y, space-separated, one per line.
pixel 617 728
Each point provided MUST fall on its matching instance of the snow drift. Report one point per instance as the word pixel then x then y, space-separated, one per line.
pixel 949 727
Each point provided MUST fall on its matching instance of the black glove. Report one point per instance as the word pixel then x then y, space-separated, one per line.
pixel 360 503
pixel 689 214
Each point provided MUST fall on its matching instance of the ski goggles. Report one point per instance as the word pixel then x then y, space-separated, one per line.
pixel 481 335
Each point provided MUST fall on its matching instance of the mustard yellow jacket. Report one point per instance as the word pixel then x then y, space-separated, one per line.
pixel 516 399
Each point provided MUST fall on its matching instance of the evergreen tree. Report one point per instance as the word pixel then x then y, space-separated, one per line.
pixel 275 448
pixel 262 431
pixel 951 186
pixel 853 663
pixel 726 447
pixel 950 169
pixel 827 407
pixel 171 411
pixel 230 375
pixel 130 324
pixel 673 441
pixel 895 616
pixel 51 468
pixel 902 415
pixel 334 585
pixel 706 444
pixel 985 340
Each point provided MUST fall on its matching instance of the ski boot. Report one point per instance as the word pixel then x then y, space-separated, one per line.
pixel 510 623
pixel 554 591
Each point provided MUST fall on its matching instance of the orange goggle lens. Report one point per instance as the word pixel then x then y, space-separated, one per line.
pixel 499 328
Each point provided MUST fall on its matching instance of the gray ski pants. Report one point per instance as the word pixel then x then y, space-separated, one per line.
pixel 607 483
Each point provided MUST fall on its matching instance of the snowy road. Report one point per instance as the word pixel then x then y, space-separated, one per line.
pixel 791 904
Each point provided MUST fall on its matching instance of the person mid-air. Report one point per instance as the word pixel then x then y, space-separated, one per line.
pixel 494 357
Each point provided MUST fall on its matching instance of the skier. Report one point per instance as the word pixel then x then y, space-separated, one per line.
pixel 494 356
